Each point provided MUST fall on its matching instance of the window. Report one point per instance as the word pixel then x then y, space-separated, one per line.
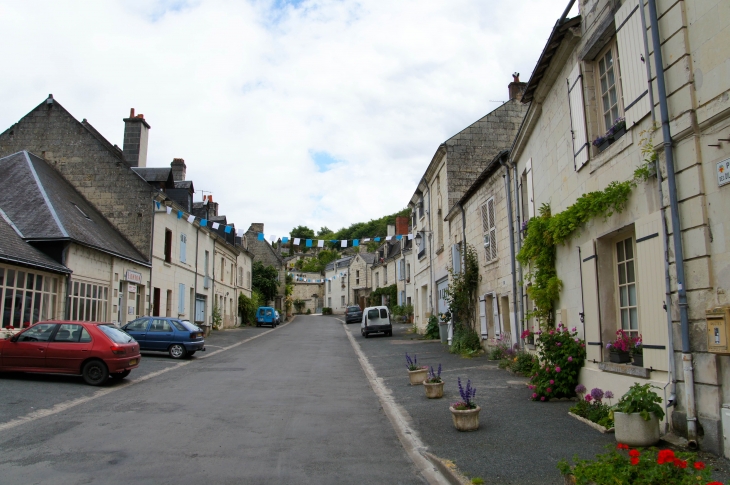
pixel 168 246
pixel 139 325
pixel 39 333
pixel 181 299
pixel 88 302
pixel 233 271
pixel 490 230
pixel 183 248
pixel 609 86
pixel 385 275
pixel 239 281
pixel 357 277
pixel 168 305
pixel 408 273
pixel 329 286
pixel 342 300
pixel 439 228
pixel 26 298
pixel 69 333
pixel 626 281
pixel 160 325
pixel 377 279
pixel 420 206
pixel 248 276
pixel 329 302
pixel 206 263
pixel 223 268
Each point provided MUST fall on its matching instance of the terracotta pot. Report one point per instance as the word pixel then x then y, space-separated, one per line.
pixel 466 420
pixel 632 430
pixel 434 390
pixel 418 376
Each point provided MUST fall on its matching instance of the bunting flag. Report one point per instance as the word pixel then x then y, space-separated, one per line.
pixel 355 242
pixel 284 240
pixel 410 237
pixel 398 237
pixel 377 239
pixel 344 243
pixel 179 214
pixel 387 238
pixel 273 239
pixel 204 222
pixel 308 243
pixel 367 239
pixel 228 229
pixel 240 233
pixel 158 204
pixel 169 209
pixel 216 226
pixel 320 243
pixel 296 241
pixel 191 218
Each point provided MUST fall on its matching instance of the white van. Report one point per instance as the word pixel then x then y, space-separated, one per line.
pixel 376 319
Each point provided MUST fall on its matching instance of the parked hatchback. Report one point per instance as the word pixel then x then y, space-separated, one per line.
pixel 163 334
pixel 353 314
pixel 376 319
pixel 96 351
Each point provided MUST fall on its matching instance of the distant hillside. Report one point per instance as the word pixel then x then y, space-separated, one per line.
pixel 372 228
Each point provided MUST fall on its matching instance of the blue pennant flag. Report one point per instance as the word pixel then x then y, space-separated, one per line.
pixel 179 214
pixel 333 240
pixel 309 243
pixel 377 239
pixel 284 240
pixel 399 237
pixel 355 242
pixel 203 222
pixel 228 229
pixel 158 203
pixel 261 236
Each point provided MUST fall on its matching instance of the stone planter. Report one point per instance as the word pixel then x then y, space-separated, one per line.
pixel 418 376
pixel 620 357
pixel 434 390
pixel 466 420
pixel 590 423
pixel 639 360
pixel 632 430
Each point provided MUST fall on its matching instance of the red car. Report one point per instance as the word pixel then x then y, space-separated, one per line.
pixel 96 351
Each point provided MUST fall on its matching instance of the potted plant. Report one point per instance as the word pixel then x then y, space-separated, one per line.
pixel 592 410
pixel 433 384
pixel 601 143
pixel 416 373
pixel 637 351
pixel 444 326
pixel 465 413
pixel 618 129
pixel 637 415
pixel 620 349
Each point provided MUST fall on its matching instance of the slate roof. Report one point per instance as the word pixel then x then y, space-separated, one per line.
pixel 43 206
pixel 341 263
pixel 368 257
pixel 185 184
pixel 154 174
pixel 14 250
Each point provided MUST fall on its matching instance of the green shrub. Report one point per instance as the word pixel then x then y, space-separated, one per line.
pixel 520 362
pixel 432 328
pixel 326 311
pixel 561 354
pixel 465 341
pixel 501 351
pixel 309 311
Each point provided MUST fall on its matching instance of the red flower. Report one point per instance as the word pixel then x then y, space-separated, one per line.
pixel 634 461
pixel 715 483
pixel 699 465
pixel 680 463
pixel 622 446
pixel 634 453
pixel 665 456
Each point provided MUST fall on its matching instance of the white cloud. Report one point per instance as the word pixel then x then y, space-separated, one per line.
pixel 248 93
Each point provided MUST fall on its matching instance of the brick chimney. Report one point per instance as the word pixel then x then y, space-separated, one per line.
pixel 401 225
pixel 178 169
pixel 516 88
pixel 136 131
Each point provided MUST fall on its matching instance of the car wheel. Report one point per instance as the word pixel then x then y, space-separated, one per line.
pixel 365 334
pixel 177 351
pixel 95 373
pixel 118 376
pixel 190 354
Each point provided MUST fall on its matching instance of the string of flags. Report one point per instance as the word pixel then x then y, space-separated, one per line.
pixel 315 280
pixel 319 243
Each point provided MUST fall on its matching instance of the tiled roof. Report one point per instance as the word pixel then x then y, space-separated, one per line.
pixel 16 251
pixel 154 174
pixel 43 206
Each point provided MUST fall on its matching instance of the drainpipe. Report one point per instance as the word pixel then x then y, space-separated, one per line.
pixel 507 167
pixel 519 240
pixel 195 285
pixel 676 232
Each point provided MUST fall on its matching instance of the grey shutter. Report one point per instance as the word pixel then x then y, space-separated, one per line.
pixel 630 37
pixel 577 117
pixel 483 317
pixel 591 314
pixel 183 248
pixel 181 299
pixel 456 258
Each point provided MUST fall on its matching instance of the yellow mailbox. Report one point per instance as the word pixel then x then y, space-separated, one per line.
pixel 717 331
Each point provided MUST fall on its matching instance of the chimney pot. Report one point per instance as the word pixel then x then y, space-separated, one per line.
pixel 131 112
pixel 136 133
pixel 516 88
pixel 178 169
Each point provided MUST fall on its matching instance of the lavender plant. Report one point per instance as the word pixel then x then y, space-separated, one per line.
pixel 434 377
pixel 467 394
pixel 412 364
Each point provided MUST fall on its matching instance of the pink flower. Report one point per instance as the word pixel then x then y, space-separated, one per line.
pixel 557 369
pixel 547 369
pixel 588 398
pixel 534 395
pixel 577 340
pixel 551 332
pixel 570 359
pixel 542 398
pixel 552 382
pixel 531 386
pixel 558 344
pixel 548 390
pixel 573 329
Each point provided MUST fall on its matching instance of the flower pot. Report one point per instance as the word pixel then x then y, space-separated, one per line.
pixel 632 430
pixel 619 133
pixel 604 145
pixel 418 376
pixel 620 357
pixel 434 390
pixel 639 360
pixel 466 420
pixel 444 332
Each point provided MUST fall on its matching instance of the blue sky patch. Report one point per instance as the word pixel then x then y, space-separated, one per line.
pixel 323 160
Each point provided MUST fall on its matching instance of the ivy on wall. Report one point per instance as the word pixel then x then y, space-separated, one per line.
pixel 391 292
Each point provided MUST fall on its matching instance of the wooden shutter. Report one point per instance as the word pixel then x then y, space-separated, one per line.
pixel 630 34
pixel 183 247
pixel 652 290
pixel 483 316
pixel 530 193
pixel 591 309
pixel 495 316
pixel 489 229
pixel 181 299
pixel 577 117
pixel 456 258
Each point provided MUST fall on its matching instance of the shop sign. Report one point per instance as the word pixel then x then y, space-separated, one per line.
pixel 133 276
pixel 723 172
pixel 131 288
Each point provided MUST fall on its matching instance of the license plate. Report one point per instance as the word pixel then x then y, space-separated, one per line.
pixel 133 362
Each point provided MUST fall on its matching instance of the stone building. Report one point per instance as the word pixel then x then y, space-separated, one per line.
pixel 359 278
pixel 452 170
pixel 269 256
pixel 337 292
pixel 310 289
pixel 594 98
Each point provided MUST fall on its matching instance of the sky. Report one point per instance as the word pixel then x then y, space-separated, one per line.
pixel 289 112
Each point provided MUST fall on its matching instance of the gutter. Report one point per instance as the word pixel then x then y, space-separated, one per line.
pixel 518 236
pixel 507 167
pixel 676 233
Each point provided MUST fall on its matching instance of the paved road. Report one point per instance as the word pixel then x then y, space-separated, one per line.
pixel 291 406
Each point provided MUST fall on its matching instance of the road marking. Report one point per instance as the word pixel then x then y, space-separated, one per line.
pixel 399 418
pixel 60 407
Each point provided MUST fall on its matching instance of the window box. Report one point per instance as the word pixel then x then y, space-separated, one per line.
pixel 619 357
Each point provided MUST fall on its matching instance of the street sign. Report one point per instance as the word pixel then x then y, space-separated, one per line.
pixel 723 172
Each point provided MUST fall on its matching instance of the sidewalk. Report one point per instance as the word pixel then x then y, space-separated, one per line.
pixel 519 441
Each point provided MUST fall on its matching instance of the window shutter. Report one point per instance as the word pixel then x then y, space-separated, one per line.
pixel 181 299
pixel 455 258
pixel 183 244
pixel 483 316
pixel 530 193
pixel 631 50
pixel 492 229
pixel 495 316
pixel 577 117
pixel 652 290
pixel 591 314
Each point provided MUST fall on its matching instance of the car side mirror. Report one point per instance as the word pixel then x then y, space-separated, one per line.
pixel 14 338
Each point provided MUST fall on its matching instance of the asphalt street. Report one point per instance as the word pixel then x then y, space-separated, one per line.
pixel 291 406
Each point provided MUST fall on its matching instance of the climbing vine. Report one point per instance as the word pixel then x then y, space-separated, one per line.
pixel 461 296
pixel 547 230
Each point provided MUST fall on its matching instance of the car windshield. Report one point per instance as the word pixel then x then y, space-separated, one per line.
pixel 116 335
pixel 353 309
pixel 189 326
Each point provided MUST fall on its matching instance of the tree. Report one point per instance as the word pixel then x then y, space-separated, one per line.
pixel 324 231
pixel 302 232
pixel 264 280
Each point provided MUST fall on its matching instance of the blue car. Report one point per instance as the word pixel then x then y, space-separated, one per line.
pixel 265 315
pixel 163 334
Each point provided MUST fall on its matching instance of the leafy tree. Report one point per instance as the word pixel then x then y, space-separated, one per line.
pixel 302 232
pixel 324 231
pixel 265 280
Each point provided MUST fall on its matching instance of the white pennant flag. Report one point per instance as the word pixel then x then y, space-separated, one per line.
pixel 367 239
pixel 343 244
pixel 387 238
pixel 169 209
pixel 410 236
pixel 320 243
pixel 216 225
pixel 296 241
pixel 240 233
pixel 191 219
pixel 273 239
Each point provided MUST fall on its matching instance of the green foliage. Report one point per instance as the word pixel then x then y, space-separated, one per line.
pixel 309 311
pixel 374 227
pixel 432 328
pixel 561 354
pixel 465 341
pixel 299 305
pixel 264 280
pixel 634 467
pixel 477 481
pixel 326 311
pixel 520 362
pixel 316 264
pixel 595 410
pixel 247 307
pixel 391 293
pixel 302 232
pixel 641 399
pixel 217 318
pixel 501 351
pixel 647 169
pixel 461 296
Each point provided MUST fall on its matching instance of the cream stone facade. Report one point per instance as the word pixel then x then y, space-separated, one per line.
pixel 360 279
pixel 336 289
pixel 310 288
pixel 613 270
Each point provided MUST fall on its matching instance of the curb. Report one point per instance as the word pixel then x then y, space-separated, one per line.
pixel 452 475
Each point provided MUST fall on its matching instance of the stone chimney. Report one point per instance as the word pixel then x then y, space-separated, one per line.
pixel 256 227
pixel 516 88
pixel 391 230
pixel 178 169
pixel 401 225
pixel 211 207
pixel 136 131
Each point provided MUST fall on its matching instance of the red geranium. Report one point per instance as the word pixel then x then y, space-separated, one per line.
pixel 680 463
pixel 634 453
pixel 665 456
pixel 622 446
pixel 634 461
pixel 699 465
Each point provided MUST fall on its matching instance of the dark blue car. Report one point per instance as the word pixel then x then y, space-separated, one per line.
pixel 163 334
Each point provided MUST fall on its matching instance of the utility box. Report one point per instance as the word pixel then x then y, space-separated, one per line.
pixel 726 428
pixel 717 330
